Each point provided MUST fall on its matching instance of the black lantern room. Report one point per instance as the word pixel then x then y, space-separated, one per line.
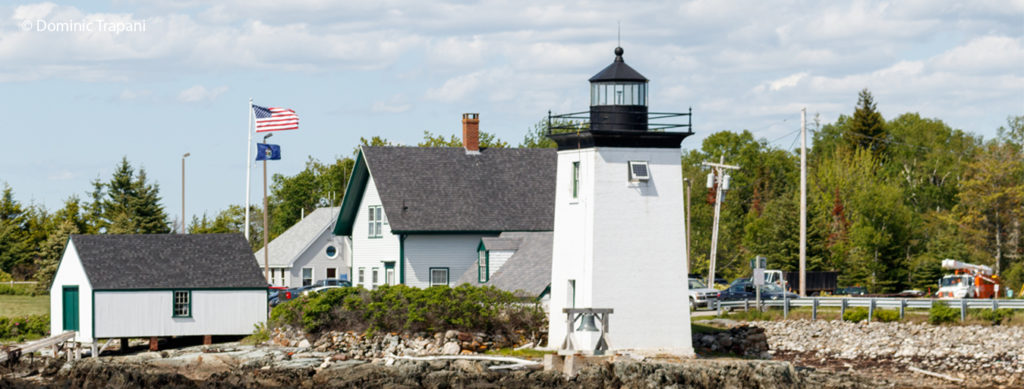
pixel 618 97
pixel 618 115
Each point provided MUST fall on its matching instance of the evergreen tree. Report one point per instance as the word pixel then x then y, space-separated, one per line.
pixel 867 128
pixel 15 243
pixel 128 204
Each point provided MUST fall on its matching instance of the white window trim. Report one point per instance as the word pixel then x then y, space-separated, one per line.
pixel 447 276
pixel 375 222
pixel 312 275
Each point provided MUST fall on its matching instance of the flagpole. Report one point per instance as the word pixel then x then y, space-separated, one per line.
pixel 248 174
pixel 266 224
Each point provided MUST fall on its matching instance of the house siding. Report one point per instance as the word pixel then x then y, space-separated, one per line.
pixel 71 273
pixel 315 257
pixel 369 253
pixel 497 259
pixel 149 313
pixel 457 252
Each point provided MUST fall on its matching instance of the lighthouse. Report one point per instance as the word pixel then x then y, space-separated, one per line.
pixel 619 239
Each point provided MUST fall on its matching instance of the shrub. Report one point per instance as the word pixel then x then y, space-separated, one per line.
pixel 940 313
pixel 856 314
pixel 886 315
pixel 995 316
pixel 20 328
pixel 17 289
pixel 401 308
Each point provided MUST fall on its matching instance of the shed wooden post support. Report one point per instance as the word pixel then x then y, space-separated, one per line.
pixel 207 339
pixel 94 349
pixel 153 345
pixel 124 345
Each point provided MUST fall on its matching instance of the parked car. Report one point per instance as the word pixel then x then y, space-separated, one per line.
pixel 327 284
pixel 852 291
pixel 743 289
pixel 701 295
pixel 287 294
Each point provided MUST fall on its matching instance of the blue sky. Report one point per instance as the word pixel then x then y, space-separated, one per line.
pixel 75 102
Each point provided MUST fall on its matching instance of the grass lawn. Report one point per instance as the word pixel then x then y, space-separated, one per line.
pixel 11 305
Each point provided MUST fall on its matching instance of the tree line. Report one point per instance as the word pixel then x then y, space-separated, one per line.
pixel 887 201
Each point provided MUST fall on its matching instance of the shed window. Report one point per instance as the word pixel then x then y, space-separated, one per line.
pixel 182 303
pixel 438 276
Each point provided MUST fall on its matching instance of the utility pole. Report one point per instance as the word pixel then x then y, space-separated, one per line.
pixel 722 183
pixel 183 191
pixel 266 224
pixel 248 175
pixel 688 189
pixel 803 202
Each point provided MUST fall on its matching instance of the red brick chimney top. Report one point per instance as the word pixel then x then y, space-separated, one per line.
pixel 471 132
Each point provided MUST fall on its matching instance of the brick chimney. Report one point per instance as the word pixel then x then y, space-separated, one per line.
pixel 471 132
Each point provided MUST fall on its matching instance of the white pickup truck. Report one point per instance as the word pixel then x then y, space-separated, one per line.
pixel 701 295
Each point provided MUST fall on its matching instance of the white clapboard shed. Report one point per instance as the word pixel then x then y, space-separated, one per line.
pixel 134 286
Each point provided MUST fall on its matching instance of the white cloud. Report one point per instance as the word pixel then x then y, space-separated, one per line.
pixel 199 93
pixel 394 104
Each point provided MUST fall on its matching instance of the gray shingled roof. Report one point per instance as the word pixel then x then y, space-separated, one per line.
pixel 297 238
pixel 168 261
pixel 528 270
pixel 446 189
pixel 500 243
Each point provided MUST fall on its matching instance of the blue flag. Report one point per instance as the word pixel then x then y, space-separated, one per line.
pixel 266 151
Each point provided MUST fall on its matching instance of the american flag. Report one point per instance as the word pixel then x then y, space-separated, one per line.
pixel 275 119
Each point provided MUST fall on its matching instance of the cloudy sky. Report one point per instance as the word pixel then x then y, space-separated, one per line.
pixel 179 77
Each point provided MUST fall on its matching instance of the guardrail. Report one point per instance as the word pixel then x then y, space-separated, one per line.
pixel 874 302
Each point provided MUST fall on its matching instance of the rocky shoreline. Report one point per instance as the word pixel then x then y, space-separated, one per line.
pixel 791 354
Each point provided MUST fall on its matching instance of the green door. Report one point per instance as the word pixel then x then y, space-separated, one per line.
pixel 70 304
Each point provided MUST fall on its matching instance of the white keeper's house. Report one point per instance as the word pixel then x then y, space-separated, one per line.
pixel 157 285
pixel 417 215
pixel 307 252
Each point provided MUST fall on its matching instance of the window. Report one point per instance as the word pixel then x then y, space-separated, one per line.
pixel 307 276
pixel 376 216
pixel 438 276
pixel 639 171
pixel 362 276
pixel 482 274
pixel 182 303
pixel 331 252
pixel 332 273
pixel 575 180
pixel 373 276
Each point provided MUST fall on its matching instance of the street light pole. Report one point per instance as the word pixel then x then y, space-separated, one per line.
pixel 183 191
pixel 266 225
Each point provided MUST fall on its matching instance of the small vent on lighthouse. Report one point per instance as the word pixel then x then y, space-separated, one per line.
pixel 638 171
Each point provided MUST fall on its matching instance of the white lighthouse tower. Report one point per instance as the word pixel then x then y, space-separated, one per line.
pixel 619 239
